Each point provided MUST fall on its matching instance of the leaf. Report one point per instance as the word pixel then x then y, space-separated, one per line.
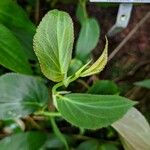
pixel 11 52
pixel 108 147
pixel 103 87
pixel 134 131
pixel 89 145
pixel 75 65
pixel 21 95
pixel 53 43
pixel 59 134
pixel 92 111
pixel 144 83
pixel 24 141
pixel 14 18
pixel 53 142
pixel 99 65
pixel 88 39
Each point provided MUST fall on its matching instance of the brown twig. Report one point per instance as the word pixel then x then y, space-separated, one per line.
pixel 138 66
pixel 83 83
pixel 34 124
pixel 125 40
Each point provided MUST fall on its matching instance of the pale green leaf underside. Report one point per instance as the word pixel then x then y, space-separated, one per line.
pixel 53 43
pixel 92 111
pixel 12 55
pixel 21 95
pixel 134 131
pixel 99 65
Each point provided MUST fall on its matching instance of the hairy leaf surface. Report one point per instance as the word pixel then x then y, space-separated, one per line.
pixel 12 55
pixel 53 43
pixel 92 111
pixel 21 95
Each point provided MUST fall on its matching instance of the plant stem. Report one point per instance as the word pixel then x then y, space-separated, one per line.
pixel 33 123
pixel 83 83
pixel 48 114
pixel 83 5
pixel 54 89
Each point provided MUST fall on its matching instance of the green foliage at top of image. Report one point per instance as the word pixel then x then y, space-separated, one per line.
pixel 16 38
pixel 89 33
pixel 12 55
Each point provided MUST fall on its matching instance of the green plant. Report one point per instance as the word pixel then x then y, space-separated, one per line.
pixel 22 96
pixel 53 43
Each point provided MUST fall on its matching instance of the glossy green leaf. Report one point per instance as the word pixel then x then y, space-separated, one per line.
pixel 24 141
pixel 88 39
pixel 14 18
pixel 99 65
pixel 134 131
pixel 103 87
pixel 53 43
pixel 92 111
pixel 144 83
pixel 21 95
pixel 12 55
pixel 89 145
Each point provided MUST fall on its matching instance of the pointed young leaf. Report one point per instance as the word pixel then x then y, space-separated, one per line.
pixel 99 65
pixel 53 43
pixel 134 131
pixel 21 95
pixel 12 55
pixel 88 39
pixel 92 111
